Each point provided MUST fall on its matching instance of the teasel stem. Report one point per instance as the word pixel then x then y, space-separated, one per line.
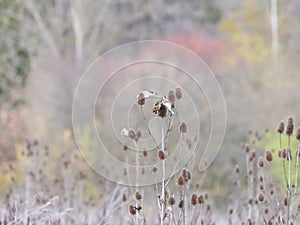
pixel 148 129
pixel 297 168
pixel 289 181
pixel 163 203
pixel 283 162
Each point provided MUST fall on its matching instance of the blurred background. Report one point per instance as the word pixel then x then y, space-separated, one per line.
pixel 252 46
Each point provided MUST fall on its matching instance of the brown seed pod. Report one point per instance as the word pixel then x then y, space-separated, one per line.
pixel 125 147
pixel 230 211
pixel 280 129
pixel 171 201
pixel 182 127
pixel 237 169
pixel 178 93
pixel 285 201
pixel 132 134
pixel 298 134
pixel 260 162
pixel 145 153
pixel 201 199
pixel 161 155
pixel 154 169
pixel 132 210
pixel 186 174
pixel 290 126
pixel 247 148
pixel 162 111
pixel 171 96
pixel 181 204
pixel 260 197
pixel 124 198
pixel 284 153
pixel 194 199
pixel 141 99
pixel 180 180
pixel 269 156
pixel 138 196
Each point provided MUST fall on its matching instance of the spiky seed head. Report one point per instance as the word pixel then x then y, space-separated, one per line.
pixel 161 155
pixel 260 162
pixel 171 96
pixel 237 169
pixel 260 197
pixel 200 199
pixel 141 99
pixel 298 134
pixel 138 195
pixel 186 174
pixel 181 204
pixel 171 201
pixel 247 148
pixel 182 128
pixel 132 210
pixel 180 181
pixel 269 156
pixel 290 126
pixel 145 153
pixel 194 199
pixel 178 93
pixel 154 169
pixel 280 128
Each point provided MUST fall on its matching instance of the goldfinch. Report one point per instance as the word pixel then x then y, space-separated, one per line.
pixel 167 104
pixel 163 105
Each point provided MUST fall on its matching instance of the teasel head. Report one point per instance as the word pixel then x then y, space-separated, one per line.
pixel 194 199
pixel 260 162
pixel 298 134
pixel 138 195
pixel 171 98
pixel 182 128
pixel 200 199
pixel 181 204
pixel 161 155
pixel 261 197
pixel 180 181
pixel 171 201
pixel 178 93
pixel 186 174
pixel 141 99
pixel 280 129
pixel 132 210
pixel 290 126
pixel 269 156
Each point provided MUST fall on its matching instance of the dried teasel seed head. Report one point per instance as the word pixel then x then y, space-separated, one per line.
pixel 201 199
pixel 194 199
pixel 125 147
pixel 132 210
pixel 269 156
pixel 171 201
pixel 180 181
pixel 285 201
pixel 280 153
pixel 181 204
pixel 206 196
pixel 260 162
pixel 138 135
pixel 178 93
pixel 230 211
pixel 298 134
pixel 250 201
pixel 141 99
pixel 161 155
pixel 138 195
pixel 280 129
pixel 145 153
pixel 247 148
pixel 182 128
pixel 290 126
pixel 284 153
pixel 298 207
pixel 171 96
pixel 162 111
pixel 186 174
pixel 260 197
pixel 237 169
pixel 124 198
pixel 131 134
pixel 154 169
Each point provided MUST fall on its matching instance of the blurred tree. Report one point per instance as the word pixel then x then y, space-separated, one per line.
pixel 14 70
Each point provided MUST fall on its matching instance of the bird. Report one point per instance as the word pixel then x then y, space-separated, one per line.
pixel 163 105
pixel 147 94
pixel 167 104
